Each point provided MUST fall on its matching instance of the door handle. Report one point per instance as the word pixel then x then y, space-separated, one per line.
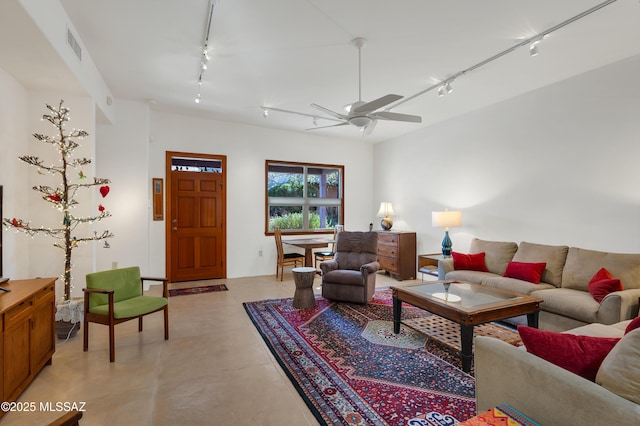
pixel 174 228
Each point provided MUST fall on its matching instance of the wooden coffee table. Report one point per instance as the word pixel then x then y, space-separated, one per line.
pixel 466 304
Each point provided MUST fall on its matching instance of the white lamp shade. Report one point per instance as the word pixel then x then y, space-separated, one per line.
pixel 446 219
pixel 386 209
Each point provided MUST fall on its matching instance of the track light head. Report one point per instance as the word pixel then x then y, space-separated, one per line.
pixel 265 112
pixel 445 88
pixel 448 87
pixel 533 47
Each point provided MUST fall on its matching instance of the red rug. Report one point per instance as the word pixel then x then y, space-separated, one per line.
pixel 197 290
pixel 350 368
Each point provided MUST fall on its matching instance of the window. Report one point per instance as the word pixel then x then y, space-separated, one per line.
pixel 203 165
pixel 303 198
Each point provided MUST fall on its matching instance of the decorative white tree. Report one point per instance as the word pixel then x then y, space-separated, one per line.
pixel 63 196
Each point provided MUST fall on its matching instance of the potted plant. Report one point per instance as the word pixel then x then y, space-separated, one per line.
pixel 62 197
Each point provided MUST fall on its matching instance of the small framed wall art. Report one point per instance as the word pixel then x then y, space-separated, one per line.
pixel 158 199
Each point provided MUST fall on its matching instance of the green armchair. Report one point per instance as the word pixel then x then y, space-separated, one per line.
pixel 115 296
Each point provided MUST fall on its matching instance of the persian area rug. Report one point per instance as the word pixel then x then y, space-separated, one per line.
pixel 197 290
pixel 350 368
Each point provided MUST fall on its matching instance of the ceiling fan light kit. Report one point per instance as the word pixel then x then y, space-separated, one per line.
pixel 360 114
pixel 365 115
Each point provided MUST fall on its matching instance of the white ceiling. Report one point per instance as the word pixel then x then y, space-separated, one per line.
pixel 291 53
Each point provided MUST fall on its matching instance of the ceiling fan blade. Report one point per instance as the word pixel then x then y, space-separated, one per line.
pixel 328 111
pixel 332 125
pixel 394 116
pixel 369 129
pixel 378 103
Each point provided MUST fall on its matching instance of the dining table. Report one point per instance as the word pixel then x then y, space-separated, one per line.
pixel 308 244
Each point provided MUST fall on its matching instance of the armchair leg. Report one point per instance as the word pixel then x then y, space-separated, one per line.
pixel 139 324
pixel 166 323
pixel 85 340
pixel 112 349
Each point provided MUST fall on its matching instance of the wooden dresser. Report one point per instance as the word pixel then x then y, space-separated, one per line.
pixel 27 337
pixel 397 253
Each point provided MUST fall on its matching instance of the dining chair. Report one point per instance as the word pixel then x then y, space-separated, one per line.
pixel 327 255
pixel 285 259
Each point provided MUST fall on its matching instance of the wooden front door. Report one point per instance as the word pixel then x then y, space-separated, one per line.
pixel 196 234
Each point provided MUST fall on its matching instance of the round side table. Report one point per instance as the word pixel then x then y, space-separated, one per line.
pixel 304 297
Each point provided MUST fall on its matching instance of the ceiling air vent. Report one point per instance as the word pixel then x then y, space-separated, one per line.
pixel 74 44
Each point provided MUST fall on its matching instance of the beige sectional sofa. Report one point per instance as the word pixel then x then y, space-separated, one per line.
pixel 551 395
pixel 564 284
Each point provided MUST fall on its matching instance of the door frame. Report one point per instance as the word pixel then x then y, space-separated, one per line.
pixel 168 200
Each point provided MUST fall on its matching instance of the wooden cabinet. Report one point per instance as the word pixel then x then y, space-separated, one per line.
pixel 44 338
pixel 27 338
pixel 17 352
pixel 397 253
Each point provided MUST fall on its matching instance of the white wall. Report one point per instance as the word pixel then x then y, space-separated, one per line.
pixel 557 166
pixel 14 140
pixel 122 156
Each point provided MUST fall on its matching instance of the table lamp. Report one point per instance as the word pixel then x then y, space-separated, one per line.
pixel 446 219
pixel 386 210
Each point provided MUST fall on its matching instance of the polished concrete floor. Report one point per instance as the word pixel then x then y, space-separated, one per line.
pixel 215 369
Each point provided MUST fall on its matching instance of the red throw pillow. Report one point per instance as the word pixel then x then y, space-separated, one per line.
pixel 603 283
pixel 581 355
pixel 471 262
pixel 531 272
pixel 632 325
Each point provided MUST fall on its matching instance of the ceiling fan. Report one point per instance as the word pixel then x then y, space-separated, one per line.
pixel 362 114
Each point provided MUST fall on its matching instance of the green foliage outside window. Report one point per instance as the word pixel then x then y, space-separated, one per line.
pixel 294 221
pixel 291 187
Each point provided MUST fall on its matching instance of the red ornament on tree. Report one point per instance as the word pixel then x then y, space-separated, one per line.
pixel 101 207
pixel 104 190
pixel 17 223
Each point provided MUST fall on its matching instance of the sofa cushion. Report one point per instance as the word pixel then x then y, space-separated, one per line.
pixel 471 262
pixel 582 264
pixel 531 272
pixel 581 355
pixel 575 304
pixel 513 284
pixel 632 325
pixel 497 253
pixel 596 329
pixel 620 370
pixel 603 283
pixel 554 256
pixel 477 277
